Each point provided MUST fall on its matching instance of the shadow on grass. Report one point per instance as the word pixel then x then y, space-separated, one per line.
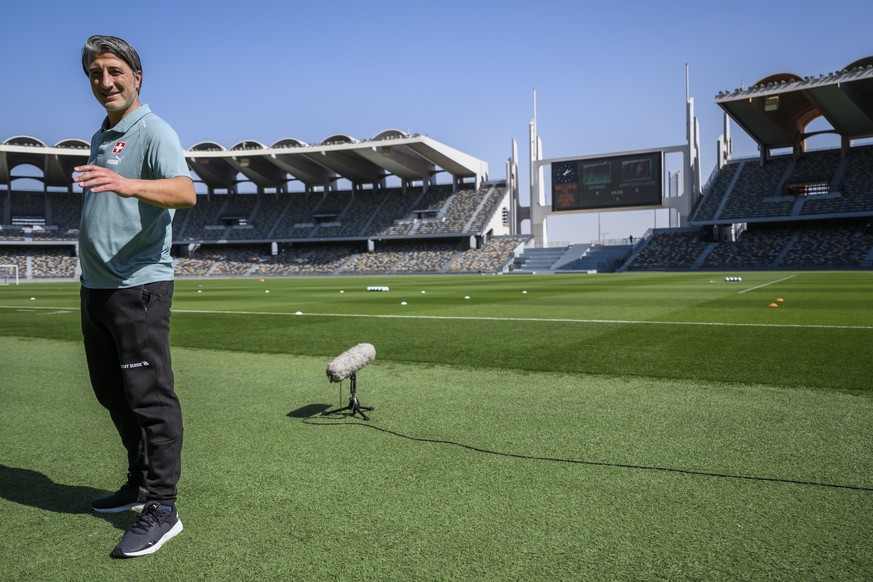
pixel 308 410
pixel 32 488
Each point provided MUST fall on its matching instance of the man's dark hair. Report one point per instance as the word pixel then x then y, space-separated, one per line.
pixel 99 44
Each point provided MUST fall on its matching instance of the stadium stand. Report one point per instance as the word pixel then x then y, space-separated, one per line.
pixel 314 227
pixel 829 246
pixel 806 209
pixel 231 235
pixel 668 250
pixel 293 220
pixel 757 248
pixel 810 211
pixel 723 181
pixel 41 262
pixel 770 246
pixel 65 210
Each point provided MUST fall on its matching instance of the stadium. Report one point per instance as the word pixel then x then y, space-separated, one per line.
pixel 400 203
pixel 691 404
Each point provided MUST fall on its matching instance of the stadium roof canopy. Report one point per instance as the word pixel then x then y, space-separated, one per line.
pixel 776 110
pixel 390 153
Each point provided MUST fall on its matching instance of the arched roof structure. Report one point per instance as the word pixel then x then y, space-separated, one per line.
pixel 56 162
pixel 390 134
pixel 776 110
pixel 340 156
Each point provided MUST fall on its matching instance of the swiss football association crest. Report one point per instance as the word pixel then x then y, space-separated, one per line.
pixel 119 145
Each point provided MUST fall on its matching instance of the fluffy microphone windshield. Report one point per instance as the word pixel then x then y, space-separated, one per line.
pixel 350 361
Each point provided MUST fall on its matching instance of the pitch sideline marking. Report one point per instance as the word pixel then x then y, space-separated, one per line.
pixel 766 284
pixel 602 321
pixel 471 318
pixel 534 319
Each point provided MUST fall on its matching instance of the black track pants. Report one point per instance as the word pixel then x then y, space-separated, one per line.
pixel 127 333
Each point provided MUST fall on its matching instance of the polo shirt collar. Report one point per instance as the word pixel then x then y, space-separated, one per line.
pixel 129 120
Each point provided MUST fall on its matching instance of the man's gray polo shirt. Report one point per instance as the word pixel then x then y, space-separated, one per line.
pixel 124 242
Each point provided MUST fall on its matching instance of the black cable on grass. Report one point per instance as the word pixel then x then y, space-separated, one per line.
pixel 316 422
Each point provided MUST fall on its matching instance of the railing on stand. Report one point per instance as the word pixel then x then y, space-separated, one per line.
pixel 549 245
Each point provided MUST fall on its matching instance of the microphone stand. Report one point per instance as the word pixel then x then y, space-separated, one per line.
pixel 354 405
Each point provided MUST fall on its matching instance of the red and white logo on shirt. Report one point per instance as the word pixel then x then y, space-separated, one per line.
pixel 119 145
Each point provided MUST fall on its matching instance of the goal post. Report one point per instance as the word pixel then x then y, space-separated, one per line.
pixel 8 274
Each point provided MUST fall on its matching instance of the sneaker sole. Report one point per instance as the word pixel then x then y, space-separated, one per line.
pixel 175 530
pixel 120 508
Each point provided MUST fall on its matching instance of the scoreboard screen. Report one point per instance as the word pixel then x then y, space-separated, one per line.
pixel 623 181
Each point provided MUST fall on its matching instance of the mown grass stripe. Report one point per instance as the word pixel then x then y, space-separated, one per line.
pixel 485 318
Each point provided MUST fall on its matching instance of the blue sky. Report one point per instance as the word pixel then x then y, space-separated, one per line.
pixel 609 76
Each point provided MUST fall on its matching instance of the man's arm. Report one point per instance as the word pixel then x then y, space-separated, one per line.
pixel 175 192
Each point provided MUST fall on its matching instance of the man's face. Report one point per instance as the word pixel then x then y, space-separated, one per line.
pixel 114 85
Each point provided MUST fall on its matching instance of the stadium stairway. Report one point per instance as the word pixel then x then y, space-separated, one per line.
pixel 702 257
pixel 539 260
pixel 785 250
pixel 577 258
pixel 868 260
pixel 598 259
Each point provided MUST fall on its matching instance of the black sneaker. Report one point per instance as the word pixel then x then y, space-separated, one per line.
pixel 130 496
pixel 152 529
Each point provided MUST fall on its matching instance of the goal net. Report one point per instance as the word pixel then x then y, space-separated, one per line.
pixel 8 274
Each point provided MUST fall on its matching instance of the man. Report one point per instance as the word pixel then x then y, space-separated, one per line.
pixel 135 178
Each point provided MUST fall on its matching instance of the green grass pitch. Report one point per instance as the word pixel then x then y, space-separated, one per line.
pixel 635 426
